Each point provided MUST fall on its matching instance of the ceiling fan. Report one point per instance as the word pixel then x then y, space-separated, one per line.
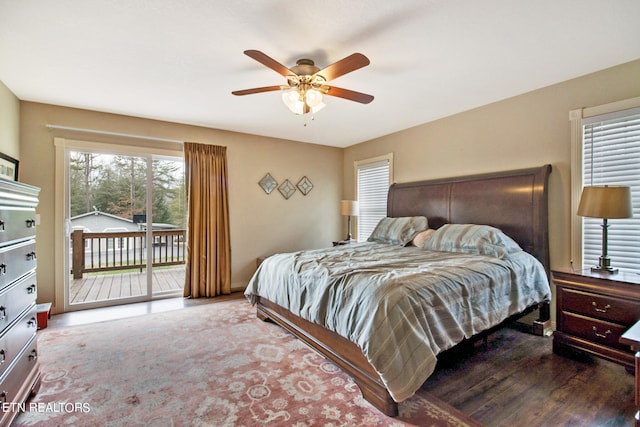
pixel 306 83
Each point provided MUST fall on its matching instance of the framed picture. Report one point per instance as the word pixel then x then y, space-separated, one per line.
pixel 8 167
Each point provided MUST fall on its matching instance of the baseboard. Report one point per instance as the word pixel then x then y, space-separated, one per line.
pixel 238 287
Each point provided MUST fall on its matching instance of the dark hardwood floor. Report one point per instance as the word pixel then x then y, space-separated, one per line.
pixel 516 380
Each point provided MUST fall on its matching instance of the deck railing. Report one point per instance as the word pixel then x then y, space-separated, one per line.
pixel 124 250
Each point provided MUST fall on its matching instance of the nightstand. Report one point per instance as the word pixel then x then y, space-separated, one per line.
pixel 593 310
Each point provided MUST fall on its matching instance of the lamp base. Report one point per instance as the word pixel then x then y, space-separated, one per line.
pixel 608 270
pixel 604 266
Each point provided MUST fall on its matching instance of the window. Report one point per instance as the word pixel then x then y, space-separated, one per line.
pixel 609 148
pixel 373 177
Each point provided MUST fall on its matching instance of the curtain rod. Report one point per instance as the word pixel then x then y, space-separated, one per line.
pixel 104 132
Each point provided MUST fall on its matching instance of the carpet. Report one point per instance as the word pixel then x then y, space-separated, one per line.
pixel 208 365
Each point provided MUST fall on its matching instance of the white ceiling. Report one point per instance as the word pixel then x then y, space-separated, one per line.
pixel 179 60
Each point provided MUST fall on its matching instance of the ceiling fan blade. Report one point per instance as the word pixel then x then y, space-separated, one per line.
pixel 258 90
pixel 267 61
pixel 351 95
pixel 344 66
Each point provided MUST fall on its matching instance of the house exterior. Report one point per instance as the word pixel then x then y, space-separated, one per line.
pixel 102 222
pixel 97 221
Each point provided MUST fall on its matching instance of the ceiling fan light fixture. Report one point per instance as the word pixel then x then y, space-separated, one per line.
pixel 293 100
pixel 313 98
pixel 318 107
pixel 301 101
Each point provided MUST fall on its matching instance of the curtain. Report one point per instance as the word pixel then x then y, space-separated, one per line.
pixel 208 244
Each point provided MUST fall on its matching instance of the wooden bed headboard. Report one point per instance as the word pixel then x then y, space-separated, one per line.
pixel 513 201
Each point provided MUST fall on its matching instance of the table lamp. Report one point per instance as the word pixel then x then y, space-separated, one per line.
pixel 349 208
pixel 605 202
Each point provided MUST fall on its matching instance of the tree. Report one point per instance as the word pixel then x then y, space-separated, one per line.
pixel 117 185
pixel 83 171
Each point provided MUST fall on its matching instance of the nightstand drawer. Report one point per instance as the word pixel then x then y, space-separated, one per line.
pixel 595 330
pixel 602 307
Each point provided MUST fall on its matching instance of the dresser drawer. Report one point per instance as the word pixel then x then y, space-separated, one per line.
pixel 625 312
pixel 17 260
pixel 594 330
pixel 14 379
pixel 16 223
pixel 15 298
pixel 15 338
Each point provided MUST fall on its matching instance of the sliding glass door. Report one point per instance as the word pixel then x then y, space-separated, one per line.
pixel 125 225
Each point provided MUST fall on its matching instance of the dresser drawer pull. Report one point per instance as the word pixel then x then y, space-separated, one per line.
pixel 4 396
pixel 31 223
pixel 31 256
pixel 3 356
pixel 3 269
pixel 600 310
pixel 606 333
pixel 1 225
pixel 34 355
pixel 3 313
pixel 31 289
pixel 32 323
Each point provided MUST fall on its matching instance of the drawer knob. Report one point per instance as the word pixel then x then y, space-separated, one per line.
pixel 606 333
pixel 600 310
pixel 3 313
pixel 3 356
pixel 31 223
pixel 31 256
pixel 33 355
pixel 1 225
pixel 3 269
pixel 31 289
pixel 32 323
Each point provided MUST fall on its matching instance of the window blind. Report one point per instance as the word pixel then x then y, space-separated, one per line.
pixel 611 156
pixel 373 186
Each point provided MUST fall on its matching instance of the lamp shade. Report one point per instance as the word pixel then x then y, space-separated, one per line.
pixel 605 202
pixel 293 101
pixel 349 207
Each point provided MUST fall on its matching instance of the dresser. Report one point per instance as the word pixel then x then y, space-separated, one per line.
pixel 593 310
pixel 19 366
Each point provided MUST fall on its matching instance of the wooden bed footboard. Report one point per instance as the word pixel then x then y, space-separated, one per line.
pixel 347 355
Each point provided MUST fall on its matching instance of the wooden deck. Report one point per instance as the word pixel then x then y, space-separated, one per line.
pixel 100 287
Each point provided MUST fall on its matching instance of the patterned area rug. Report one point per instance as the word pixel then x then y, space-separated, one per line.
pixel 209 365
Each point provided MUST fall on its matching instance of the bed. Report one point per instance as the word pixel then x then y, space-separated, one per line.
pixel 369 339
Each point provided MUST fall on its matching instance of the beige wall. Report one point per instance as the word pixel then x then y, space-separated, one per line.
pixel 528 130
pixel 9 123
pixel 260 224
pixel 524 131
